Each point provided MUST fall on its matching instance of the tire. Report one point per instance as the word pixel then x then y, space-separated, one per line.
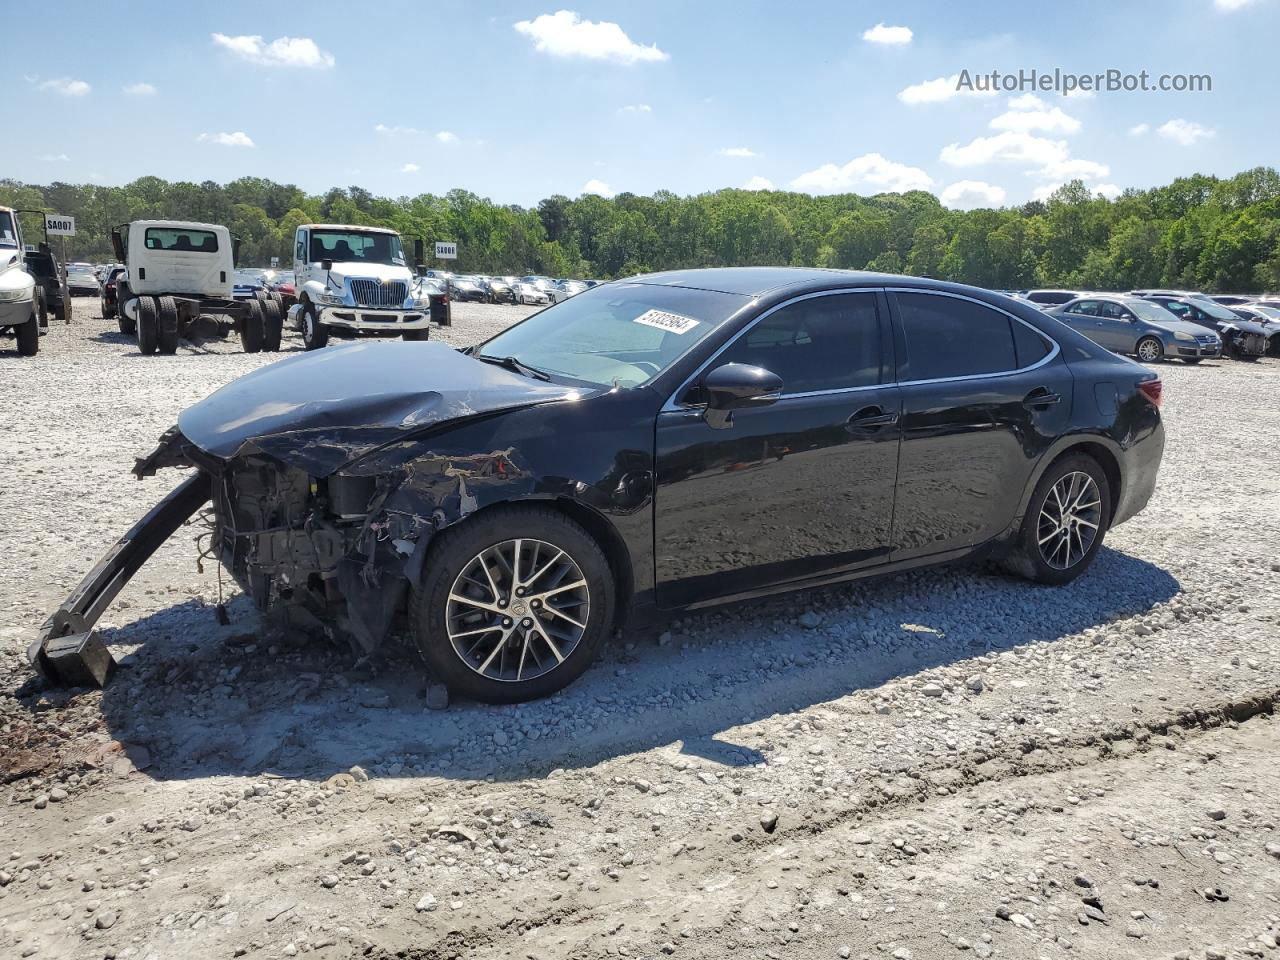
pixel 108 310
pixel 272 325
pixel 148 325
pixel 251 327
pixel 63 313
pixel 314 335
pixel 28 335
pixel 42 308
pixel 1149 350
pixel 167 315
pixel 1042 520
pixel 457 550
pixel 415 335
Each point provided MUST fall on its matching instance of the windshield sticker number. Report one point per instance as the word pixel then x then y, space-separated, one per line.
pixel 671 322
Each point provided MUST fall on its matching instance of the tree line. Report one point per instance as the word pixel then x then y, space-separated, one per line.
pixel 1198 232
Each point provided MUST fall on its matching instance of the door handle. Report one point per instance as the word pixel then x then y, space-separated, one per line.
pixel 871 417
pixel 1040 397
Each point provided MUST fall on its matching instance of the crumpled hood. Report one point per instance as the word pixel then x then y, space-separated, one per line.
pixel 320 410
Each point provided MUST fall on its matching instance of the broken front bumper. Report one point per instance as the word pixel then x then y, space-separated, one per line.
pixel 66 650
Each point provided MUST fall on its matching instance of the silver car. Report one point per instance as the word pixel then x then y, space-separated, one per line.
pixel 1138 327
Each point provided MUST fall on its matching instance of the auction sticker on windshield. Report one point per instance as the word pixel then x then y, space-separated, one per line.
pixel 667 321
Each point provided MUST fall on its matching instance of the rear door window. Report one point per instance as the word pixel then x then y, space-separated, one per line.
pixel 948 337
pixel 181 240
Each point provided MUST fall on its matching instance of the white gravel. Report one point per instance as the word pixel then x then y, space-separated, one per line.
pixel 917 766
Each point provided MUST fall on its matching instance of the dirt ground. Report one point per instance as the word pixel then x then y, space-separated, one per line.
pixel 945 763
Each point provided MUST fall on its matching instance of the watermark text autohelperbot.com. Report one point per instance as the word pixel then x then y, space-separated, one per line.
pixel 1064 82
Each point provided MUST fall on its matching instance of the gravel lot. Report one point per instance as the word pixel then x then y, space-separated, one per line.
pixel 945 763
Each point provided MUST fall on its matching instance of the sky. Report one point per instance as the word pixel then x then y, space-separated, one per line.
pixel 516 101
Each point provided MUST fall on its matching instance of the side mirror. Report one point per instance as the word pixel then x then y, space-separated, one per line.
pixel 117 245
pixel 418 253
pixel 736 386
pixel 235 251
pixel 326 265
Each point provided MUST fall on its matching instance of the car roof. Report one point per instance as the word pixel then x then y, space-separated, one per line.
pixel 344 226
pixel 758 281
pixel 178 224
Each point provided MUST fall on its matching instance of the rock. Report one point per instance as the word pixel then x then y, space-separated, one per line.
pixel 57 794
pixel 1215 953
pixel 41 801
pixel 769 821
pixel 810 620
pixel 437 697
pixel 426 904
pixel 975 684
pixel 1019 920
pixel 1082 881
pixel 668 948
pixel 664 638
pixel 499 738
pixel 932 690
pixel 902 953
pixel 1217 813
pixel 359 774
pixel 329 881
pixel 1273 850
pixel 105 920
pixel 844 953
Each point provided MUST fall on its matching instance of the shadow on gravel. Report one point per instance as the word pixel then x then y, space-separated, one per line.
pixel 206 699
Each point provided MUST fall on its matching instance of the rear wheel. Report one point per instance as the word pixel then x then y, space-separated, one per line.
pixel 251 327
pixel 1065 522
pixel 28 335
pixel 272 325
pixel 167 332
pixel 514 604
pixel 148 325
pixel 1150 349
pixel 314 335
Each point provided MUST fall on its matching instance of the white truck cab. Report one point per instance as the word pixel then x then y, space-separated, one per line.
pixel 20 309
pixel 355 281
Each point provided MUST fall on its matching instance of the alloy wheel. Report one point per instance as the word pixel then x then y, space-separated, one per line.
pixel 517 610
pixel 1149 351
pixel 1069 520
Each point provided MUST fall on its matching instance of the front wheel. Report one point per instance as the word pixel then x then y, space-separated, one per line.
pixel 514 604
pixel 1150 350
pixel 1065 522
pixel 28 335
pixel 411 335
pixel 314 335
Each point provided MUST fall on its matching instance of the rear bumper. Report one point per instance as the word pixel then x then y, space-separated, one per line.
pixel 1140 469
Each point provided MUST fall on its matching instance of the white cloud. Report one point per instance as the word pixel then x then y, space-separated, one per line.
pixel 970 194
pixel 1230 6
pixel 1073 168
pixel 1045 192
pixel 65 86
pixel 597 187
pixel 758 183
pixel 395 131
pixel 281 52
pixel 444 136
pixel 737 152
pixel 139 90
pixel 1029 112
pixel 1185 132
pixel 55 158
pixel 410 168
pixel 1078 94
pixel 869 170
pixel 889 36
pixel 1140 130
pixel 938 91
pixel 636 108
pixel 237 139
pixel 565 34
pixel 1012 146
pixel 1107 190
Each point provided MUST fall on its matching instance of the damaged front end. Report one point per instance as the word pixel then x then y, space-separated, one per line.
pixel 322 511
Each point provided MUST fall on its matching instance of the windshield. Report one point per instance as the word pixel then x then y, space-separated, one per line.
pixel 1270 312
pixel 1215 310
pixel 8 236
pixel 622 333
pixel 356 245
pixel 1149 311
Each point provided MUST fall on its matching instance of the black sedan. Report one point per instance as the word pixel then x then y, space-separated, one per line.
pixel 670 441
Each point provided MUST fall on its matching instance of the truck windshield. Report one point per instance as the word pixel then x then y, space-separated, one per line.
pixel 8 236
pixel 358 245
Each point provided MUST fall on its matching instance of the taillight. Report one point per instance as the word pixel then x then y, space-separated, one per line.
pixel 1153 390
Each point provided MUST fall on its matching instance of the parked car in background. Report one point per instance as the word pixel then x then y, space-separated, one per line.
pixel 1266 318
pixel 285 289
pixel 49 274
pixel 564 289
pixel 419 481
pixel 500 290
pixel 1232 299
pixel 248 283
pixel 531 294
pixel 81 279
pixel 1241 339
pixel 1138 327
pixel 467 289
pixel 1050 297
pixel 108 299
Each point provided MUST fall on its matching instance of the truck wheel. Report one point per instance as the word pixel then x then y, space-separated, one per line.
pixel 272 325
pixel 314 335
pixel 167 339
pixel 28 335
pixel 251 327
pixel 42 309
pixel 148 325
pixel 410 335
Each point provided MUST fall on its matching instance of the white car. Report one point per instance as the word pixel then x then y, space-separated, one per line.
pixel 531 293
